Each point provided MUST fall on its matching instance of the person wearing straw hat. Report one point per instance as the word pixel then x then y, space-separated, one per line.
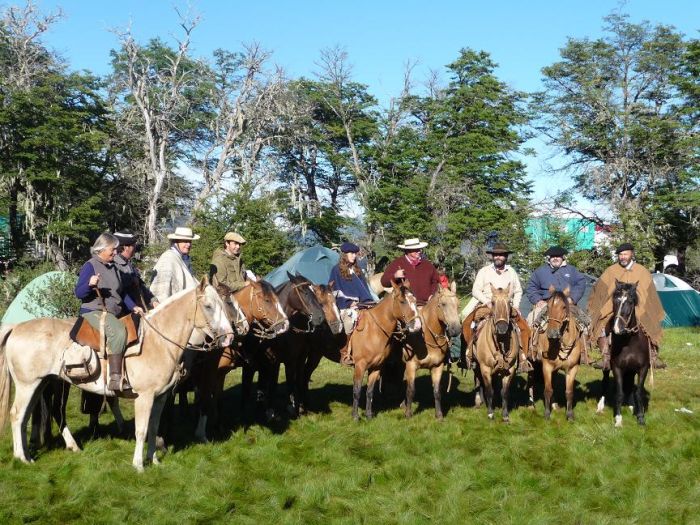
pixel 499 275
pixel 173 270
pixel 226 264
pixel 130 274
pixel 414 267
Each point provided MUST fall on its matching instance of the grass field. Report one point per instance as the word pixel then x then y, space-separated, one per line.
pixel 326 468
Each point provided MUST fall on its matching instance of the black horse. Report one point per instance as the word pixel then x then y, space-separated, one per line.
pixel 629 352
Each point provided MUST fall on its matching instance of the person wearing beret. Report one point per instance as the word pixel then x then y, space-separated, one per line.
pixel 131 276
pixel 226 264
pixel 557 273
pixel 649 311
pixel 350 287
pixel 499 275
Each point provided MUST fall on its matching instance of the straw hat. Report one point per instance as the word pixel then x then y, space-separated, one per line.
pixel 413 244
pixel 183 234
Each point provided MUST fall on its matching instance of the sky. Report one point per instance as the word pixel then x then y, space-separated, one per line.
pixel 522 36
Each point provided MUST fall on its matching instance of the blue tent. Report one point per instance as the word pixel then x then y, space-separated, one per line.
pixel 314 263
pixel 17 311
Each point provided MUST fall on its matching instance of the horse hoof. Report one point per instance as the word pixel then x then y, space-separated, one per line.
pixel 555 406
pixel 547 417
pixel 491 417
pixel 641 422
pixel 618 421
pixel 439 417
pixel 531 407
pixel 570 418
pixel 160 443
pixel 506 419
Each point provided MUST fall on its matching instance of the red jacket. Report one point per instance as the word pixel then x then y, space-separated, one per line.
pixel 423 277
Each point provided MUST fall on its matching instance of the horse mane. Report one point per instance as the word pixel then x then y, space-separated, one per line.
pixel 631 288
pixel 267 289
pixel 560 295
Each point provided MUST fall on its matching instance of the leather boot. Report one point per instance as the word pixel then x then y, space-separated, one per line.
pixel 116 382
pixel 655 361
pixel 345 356
pixel 604 363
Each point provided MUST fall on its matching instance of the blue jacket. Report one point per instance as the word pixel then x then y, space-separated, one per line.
pixel 356 289
pixel 565 275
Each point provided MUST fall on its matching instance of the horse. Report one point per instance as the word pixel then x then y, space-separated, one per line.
pixel 296 348
pixel 306 315
pixel 629 353
pixel 34 350
pixel 440 322
pixel 497 350
pixel 561 345
pixel 371 341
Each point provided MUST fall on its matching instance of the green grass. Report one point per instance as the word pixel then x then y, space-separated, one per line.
pixel 325 467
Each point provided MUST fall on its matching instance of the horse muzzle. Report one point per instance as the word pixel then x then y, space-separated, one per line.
pixel 414 325
pixel 453 330
pixel 553 333
pixel 336 327
pixel 501 327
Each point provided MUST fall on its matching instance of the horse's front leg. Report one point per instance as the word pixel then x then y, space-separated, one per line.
pixel 604 390
pixel 505 393
pixel 143 406
pixel 153 423
pixel 410 377
pixel 619 395
pixel 436 376
pixel 357 390
pixel 61 390
pixel 487 386
pixel 639 395
pixel 372 378
pixel 547 373
pixel 570 384
pixel 312 361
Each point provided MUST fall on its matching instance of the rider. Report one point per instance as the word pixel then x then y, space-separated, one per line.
pixel 499 275
pixel 129 273
pixel 103 296
pixel 556 273
pixel 351 289
pixel 173 270
pixel 226 263
pixel 649 310
pixel 414 267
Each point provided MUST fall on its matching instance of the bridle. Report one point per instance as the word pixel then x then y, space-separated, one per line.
pixel 626 322
pixel 436 337
pixel 240 321
pixel 557 321
pixel 402 322
pixel 310 328
pixel 267 329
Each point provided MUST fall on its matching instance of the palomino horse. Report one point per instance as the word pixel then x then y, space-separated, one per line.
pixel 34 350
pixel 440 321
pixel 296 348
pixel 497 350
pixel 629 353
pixel 305 314
pixel 561 345
pixel 371 341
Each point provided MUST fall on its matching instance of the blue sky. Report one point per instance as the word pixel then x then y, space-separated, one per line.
pixel 380 36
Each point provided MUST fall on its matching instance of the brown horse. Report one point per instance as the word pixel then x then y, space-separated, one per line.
pixel 371 341
pixel 497 350
pixel 560 342
pixel 440 321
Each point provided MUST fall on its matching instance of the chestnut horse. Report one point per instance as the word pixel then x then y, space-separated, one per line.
pixel 371 341
pixel 440 322
pixel 497 350
pixel 629 353
pixel 560 342
pixel 34 350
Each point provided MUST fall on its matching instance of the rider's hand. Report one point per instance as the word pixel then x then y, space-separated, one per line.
pixel 94 280
pixel 154 303
pixel 540 303
pixel 400 274
pixel 138 310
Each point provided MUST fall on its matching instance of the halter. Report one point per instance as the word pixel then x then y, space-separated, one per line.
pixel 436 337
pixel 400 333
pixel 626 322
pixel 259 329
pixel 240 317
pixel 564 319
pixel 310 328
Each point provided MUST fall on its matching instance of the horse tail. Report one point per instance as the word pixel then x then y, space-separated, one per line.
pixel 5 379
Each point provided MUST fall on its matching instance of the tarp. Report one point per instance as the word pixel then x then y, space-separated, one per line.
pixel 680 301
pixel 17 311
pixel 314 263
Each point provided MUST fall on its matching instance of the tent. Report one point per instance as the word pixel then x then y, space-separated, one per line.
pixel 314 263
pixel 17 311
pixel 680 301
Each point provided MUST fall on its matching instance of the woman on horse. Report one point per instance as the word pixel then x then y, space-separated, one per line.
pixel 350 285
pixel 102 292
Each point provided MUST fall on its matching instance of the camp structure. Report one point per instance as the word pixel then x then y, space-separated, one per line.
pixel 680 301
pixel 21 309
pixel 314 263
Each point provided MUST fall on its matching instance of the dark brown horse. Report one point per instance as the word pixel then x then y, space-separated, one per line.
pixel 440 322
pixel 629 353
pixel 371 341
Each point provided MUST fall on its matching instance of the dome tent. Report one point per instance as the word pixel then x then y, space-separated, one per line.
pixel 314 263
pixel 18 312
pixel 680 301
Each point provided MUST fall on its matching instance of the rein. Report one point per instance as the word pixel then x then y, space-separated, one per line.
pixel 259 329
pixel 310 328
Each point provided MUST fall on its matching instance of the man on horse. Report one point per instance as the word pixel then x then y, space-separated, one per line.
pixel 555 275
pixel 499 275
pixel 649 311
pixel 226 263
pixel 414 267
pixel 173 270
pixel 131 276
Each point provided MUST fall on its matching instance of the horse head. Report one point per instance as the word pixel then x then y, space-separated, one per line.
pixel 557 312
pixel 301 299
pixel 625 300
pixel 262 308
pixel 234 312
pixel 405 307
pixel 500 310
pixel 324 295
pixel 210 314
pixel 448 309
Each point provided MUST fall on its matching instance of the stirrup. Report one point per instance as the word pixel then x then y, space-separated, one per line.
pixel 524 366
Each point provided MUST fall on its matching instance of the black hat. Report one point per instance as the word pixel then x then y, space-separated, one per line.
pixel 556 251
pixel 625 246
pixel 348 247
pixel 125 237
pixel 499 249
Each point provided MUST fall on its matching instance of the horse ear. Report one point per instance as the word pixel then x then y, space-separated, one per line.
pixel 493 289
pixel 635 284
pixel 395 285
pixel 330 285
pixel 290 275
pixel 551 289
pixel 618 284
pixel 407 284
pixel 204 282
pixel 214 281
pixel 566 291
pixel 453 286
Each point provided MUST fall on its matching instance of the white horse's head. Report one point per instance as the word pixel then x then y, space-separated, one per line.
pixel 210 318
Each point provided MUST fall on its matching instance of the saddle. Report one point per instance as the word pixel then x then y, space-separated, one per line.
pixel 84 334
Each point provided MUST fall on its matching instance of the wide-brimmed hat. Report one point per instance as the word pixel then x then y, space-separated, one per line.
pixel 625 246
pixel 125 237
pixel 556 251
pixel 183 234
pixel 235 237
pixel 413 244
pixel 499 249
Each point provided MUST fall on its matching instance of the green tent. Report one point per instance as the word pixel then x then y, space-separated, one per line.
pixel 17 311
pixel 680 301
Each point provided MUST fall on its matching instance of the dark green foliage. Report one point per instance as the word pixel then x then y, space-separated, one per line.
pixel 57 299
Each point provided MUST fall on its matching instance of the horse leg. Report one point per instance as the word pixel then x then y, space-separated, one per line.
pixel 205 403
pixel 357 390
pixel 291 373
pixel 548 389
pixel 531 389
pixel 59 403
pixel 619 394
pixel 639 395
pixel 505 395
pixel 570 383
pixel 604 387
pixel 372 378
pixel 410 376
pixel 487 388
pixel 310 366
pixel 479 388
pixel 436 376
pixel 113 403
pixel 26 397
pixel 246 385
pixel 143 406
pixel 153 423
pixel 41 419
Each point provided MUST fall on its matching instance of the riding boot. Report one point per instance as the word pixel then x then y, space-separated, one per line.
pixel 604 363
pixel 655 361
pixel 524 365
pixel 345 356
pixel 117 383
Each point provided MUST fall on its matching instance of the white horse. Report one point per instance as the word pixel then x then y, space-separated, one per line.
pixel 34 350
